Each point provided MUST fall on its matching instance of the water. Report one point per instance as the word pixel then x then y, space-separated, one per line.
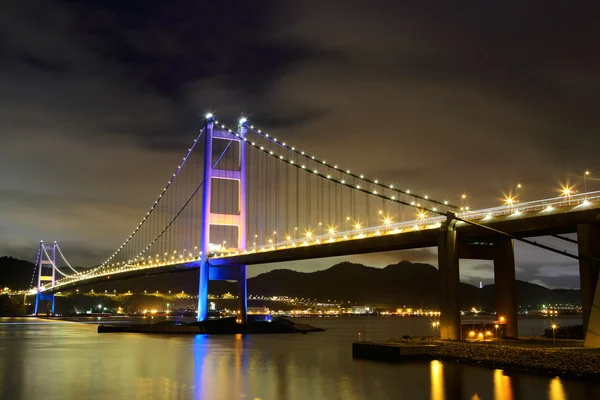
pixel 68 360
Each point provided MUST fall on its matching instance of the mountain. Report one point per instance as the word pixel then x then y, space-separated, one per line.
pixel 399 284
pixel 404 283
pixel 15 274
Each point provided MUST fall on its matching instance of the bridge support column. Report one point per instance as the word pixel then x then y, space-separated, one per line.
pixel 203 289
pixel 588 243
pixel 219 217
pixel 242 311
pixel 233 273
pixel 450 282
pixel 46 272
pixel 43 297
pixel 504 278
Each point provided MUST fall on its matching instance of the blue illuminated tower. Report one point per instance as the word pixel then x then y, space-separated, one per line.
pixel 45 274
pixel 210 218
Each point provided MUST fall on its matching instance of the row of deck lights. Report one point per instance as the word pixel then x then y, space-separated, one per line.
pixel 135 264
pixel 309 239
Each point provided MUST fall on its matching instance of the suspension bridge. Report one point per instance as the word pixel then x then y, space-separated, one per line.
pixel 241 197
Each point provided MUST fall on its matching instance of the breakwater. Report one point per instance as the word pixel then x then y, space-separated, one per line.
pixel 573 362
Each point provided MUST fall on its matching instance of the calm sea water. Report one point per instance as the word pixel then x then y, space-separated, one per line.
pixel 68 360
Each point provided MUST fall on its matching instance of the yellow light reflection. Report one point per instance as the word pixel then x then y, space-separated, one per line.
pixel 556 390
pixel 502 386
pixel 437 380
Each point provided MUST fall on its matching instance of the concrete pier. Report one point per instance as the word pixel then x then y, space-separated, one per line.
pixel 242 316
pixel 450 282
pixel 504 278
pixel 588 239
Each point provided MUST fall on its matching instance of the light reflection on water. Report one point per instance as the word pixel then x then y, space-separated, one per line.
pixel 70 360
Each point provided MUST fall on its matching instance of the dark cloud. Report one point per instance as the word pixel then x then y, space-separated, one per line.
pixel 98 101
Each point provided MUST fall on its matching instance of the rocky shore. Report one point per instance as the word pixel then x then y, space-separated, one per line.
pixel 572 362
pixel 577 362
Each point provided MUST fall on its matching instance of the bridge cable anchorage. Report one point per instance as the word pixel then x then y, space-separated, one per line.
pixel 54 265
pixel 64 259
pixel 180 166
pixel 349 173
pixel 358 188
pixel 528 241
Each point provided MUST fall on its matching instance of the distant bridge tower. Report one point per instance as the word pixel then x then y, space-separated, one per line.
pixel 213 219
pixel 46 273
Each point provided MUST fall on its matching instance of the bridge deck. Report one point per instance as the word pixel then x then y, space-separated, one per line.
pixel 559 220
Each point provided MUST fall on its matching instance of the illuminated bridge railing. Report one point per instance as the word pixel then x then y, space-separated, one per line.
pixel 575 201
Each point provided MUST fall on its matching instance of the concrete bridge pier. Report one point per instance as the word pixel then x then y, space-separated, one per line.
pixel 242 310
pixel 231 273
pixel 450 282
pixel 43 297
pixel 588 243
pixel 203 289
pixel 505 280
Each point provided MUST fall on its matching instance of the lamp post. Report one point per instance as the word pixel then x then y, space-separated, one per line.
pixel 509 201
pixel 585 176
pixel 519 186
pixel 567 191
pixel 554 335
pixel 422 216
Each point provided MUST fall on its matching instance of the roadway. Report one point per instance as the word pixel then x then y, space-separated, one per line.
pixel 538 221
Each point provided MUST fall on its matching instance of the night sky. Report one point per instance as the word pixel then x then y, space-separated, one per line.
pixel 100 100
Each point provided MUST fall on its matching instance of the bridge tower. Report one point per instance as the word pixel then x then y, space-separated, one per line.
pixel 45 274
pixel 212 219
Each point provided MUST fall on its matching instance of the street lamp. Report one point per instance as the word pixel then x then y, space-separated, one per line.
pixel 554 326
pixel 567 191
pixel 519 186
pixel 585 176
pixel 509 201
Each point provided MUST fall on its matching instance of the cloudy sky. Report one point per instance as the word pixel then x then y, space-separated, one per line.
pixel 99 100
